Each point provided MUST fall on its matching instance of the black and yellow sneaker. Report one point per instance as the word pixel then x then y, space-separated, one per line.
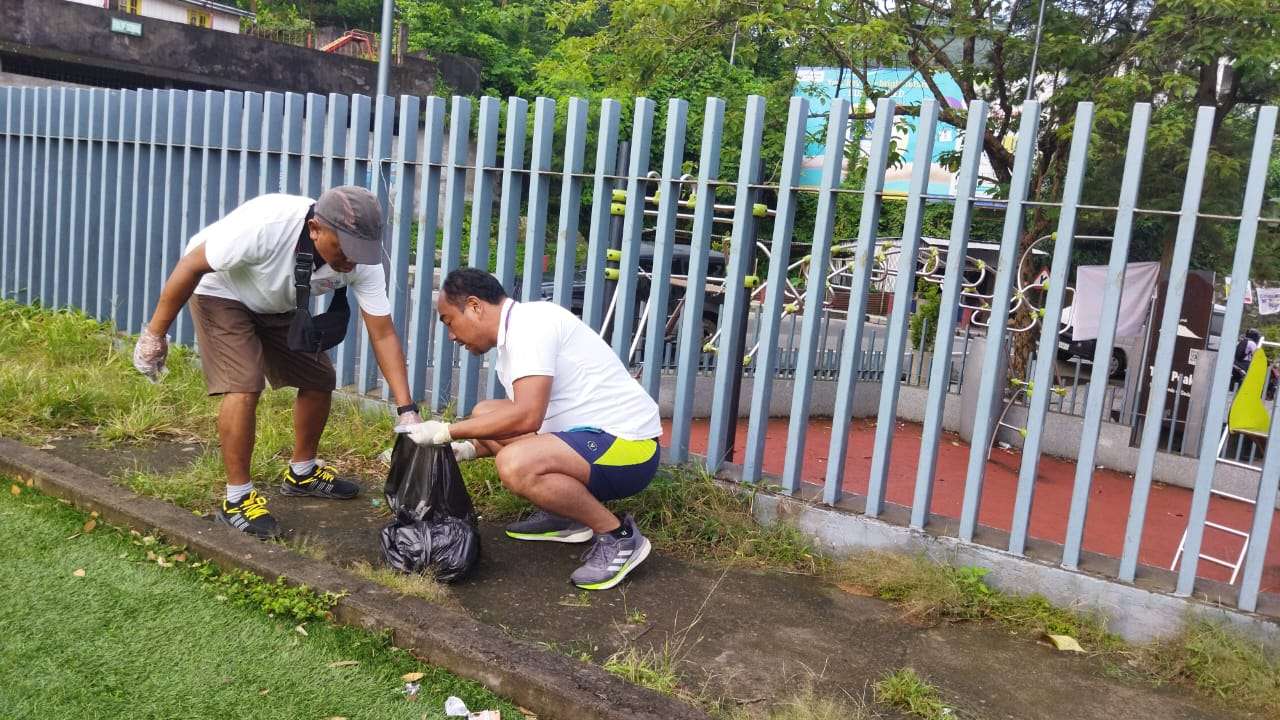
pixel 323 482
pixel 250 515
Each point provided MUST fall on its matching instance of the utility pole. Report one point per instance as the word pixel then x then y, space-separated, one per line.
pixel 384 47
pixel 1035 55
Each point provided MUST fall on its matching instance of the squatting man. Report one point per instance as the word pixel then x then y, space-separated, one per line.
pixel 575 432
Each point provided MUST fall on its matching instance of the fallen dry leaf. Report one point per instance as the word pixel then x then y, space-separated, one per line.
pixel 344 663
pixel 73 536
pixel 335 717
pixel 152 556
pixel 301 631
pixel 90 525
pixel 412 677
pixel 30 482
pixel 47 446
pixel 180 557
pixel 15 489
pixel 79 572
pixel 1065 643
pixel 264 691
pixel 527 713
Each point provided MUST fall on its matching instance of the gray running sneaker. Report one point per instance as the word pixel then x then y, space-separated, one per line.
pixel 610 558
pixel 542 525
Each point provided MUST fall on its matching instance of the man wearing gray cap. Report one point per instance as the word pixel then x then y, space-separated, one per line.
pixel 249 278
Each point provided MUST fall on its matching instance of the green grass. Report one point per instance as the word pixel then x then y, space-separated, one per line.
pixel 1210 658
pixel 135 639
pixel 684 511
pixel 927 590
pixel 808 704
pixel 905 690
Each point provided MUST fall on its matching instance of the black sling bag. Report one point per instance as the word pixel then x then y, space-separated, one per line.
pixel 314 333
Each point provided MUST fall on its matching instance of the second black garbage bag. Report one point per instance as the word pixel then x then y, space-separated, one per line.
pixel 434 529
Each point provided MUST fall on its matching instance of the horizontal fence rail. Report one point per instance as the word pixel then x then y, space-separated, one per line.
pixel 733 293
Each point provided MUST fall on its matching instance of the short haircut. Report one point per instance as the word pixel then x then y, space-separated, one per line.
pixel 467 282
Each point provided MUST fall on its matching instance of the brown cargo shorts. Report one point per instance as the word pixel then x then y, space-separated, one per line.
pixel 239 349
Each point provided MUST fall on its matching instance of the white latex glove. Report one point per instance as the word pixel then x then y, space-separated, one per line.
pixel 463 450
pixel 431 432
pixel 406 419
pixel 149 354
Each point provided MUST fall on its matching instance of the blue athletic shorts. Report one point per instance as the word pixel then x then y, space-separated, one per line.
pixel 619 468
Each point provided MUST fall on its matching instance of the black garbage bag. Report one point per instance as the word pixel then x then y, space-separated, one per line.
pixel 435 523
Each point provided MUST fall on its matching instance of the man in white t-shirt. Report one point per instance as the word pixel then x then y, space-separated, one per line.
pixel 577 430
pixel 239 275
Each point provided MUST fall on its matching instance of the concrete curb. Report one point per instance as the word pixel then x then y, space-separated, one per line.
pixel 552 685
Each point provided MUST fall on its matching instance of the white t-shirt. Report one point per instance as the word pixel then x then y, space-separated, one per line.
pixel 251 252
pixel 591 388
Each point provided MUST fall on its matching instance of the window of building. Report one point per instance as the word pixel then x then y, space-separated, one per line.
pixel 199 18
pixel 133 7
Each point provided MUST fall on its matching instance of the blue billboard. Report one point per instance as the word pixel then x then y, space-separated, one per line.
pixel 820 85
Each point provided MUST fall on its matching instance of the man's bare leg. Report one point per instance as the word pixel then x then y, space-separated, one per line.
pixel 237 414
pixel 544 470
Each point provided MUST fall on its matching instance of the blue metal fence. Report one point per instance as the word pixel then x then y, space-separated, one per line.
pixel 101 188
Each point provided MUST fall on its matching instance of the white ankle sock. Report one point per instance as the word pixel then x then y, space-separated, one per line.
pixel 236 493
pixel 304 468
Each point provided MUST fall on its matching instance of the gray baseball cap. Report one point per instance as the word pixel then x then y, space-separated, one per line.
pixel 353 212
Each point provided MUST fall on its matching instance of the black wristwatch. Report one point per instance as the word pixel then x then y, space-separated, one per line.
pixel 411 407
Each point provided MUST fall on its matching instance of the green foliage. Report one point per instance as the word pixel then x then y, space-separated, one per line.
pixel 924 321
pixel 297 603
pixel 905 690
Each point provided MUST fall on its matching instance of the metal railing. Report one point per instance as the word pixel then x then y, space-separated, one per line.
pixel 100 189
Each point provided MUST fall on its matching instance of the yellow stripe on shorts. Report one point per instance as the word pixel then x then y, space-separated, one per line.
pixel 627 452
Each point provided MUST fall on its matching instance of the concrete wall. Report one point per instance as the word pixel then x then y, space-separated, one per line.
pixel 191 56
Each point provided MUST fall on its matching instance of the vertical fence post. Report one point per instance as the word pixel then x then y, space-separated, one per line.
pixel 291 148
pixel 455 197
pixel 1061 264
pixel 1047 351
pixel 272 143
pixel 535 238
pixel 59 276
pixel 154 190
pixel 991 385
pixel 632 228
pixel 897 340
pixel 213 118
pixel 601 200
pixel 311 166
pixel 401 220
pixel 1105 343
pixel 944 335
pixel 1169 319
pixel 1255 189
pixel 1260 530
pixel 767 361
pixel 8 109
pixel 689 349
pixel 242 119
pixel 171 240
pixel 742 248
pixel 134 262
pixel 248 163
pixel 79 250
pixel 108 187
pixel 425 262
pixel 52 100
pixel 575 143
pixel 32 261
pixel 481 214
pixel 356 172
pixel 816 288
pixel 509 213
pixel 378 183
pixel 335 141
pixel 189 220
pixel 669 188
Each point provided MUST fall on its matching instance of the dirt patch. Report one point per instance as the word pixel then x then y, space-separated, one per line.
pixel 736 636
